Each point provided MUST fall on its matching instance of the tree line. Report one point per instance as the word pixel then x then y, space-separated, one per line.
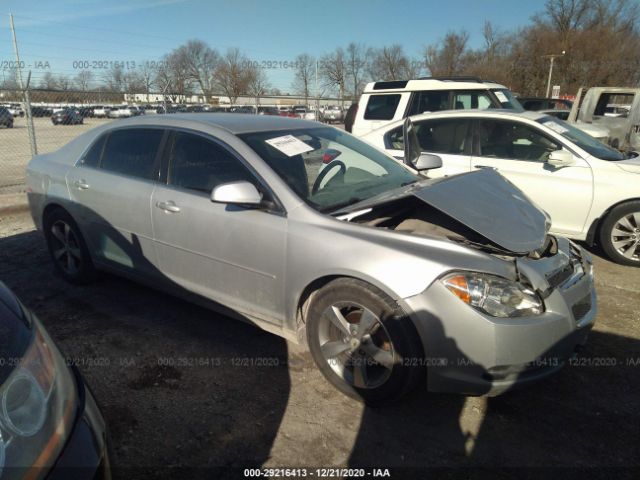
pixel 600 40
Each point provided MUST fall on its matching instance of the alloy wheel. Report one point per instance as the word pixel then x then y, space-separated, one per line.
pixel 65 247
pixel 625 236
pixel 356 345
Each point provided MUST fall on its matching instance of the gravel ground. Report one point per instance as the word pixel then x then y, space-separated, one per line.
pixel 183 387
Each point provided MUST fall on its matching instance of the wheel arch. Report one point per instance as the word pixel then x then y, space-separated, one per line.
pixel 304 299
pixel 594 229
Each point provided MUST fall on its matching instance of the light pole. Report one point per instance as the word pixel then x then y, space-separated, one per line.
pixel 551 59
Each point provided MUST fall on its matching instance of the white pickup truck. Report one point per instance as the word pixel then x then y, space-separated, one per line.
pixel 615 109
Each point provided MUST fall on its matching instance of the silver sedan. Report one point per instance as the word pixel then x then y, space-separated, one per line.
pixel 303 230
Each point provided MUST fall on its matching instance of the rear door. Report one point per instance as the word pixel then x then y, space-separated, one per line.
pixel 112 187
pixel 449 138
pixel 519 151
pixel 230 254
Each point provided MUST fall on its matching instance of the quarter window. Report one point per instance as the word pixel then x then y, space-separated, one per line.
pixel 92 158
pixel 132 152
pixel 381 107
pixel 196 163
pixel 515 141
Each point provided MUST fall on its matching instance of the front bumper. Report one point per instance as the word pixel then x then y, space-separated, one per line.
pixel 86 454
pixel 471 353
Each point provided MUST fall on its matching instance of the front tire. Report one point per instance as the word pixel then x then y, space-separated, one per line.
pixel 363 343
pixel 620 234
pixel 67 248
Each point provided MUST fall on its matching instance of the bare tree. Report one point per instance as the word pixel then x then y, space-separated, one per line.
pixel 199 62
pixel 49 81
pixel 64 83
pixel 304 75
pixel 172 77
pixel 356 59
pixel 83 80
pixel 233 74
pixel 114 78
pixel 333 70
pixel 147 78
pixel 390 63
pixel 258 84
pixel 447 57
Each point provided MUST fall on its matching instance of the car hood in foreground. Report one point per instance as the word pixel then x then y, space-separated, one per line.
pixel 487 203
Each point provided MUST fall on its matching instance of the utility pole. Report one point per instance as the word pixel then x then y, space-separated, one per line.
pixel 551 58
pixel 317 96
pixel 25 91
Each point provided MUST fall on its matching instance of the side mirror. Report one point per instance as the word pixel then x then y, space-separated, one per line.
pixel 412 149
pixel 561 158
pixel 237 193
pixel 427 161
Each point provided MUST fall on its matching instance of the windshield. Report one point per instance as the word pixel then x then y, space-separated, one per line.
pixel 329 169
pixel 507 99
pixel 581 139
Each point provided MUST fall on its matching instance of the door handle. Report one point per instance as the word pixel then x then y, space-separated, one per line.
pixel 81 184
pixel 169 207
pixel 485 166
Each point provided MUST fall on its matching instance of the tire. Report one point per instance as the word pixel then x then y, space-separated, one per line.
pixel 620 234
pixel 67 248
pixel 377 327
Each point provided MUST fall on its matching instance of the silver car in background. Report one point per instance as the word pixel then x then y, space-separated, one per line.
pixel 384 273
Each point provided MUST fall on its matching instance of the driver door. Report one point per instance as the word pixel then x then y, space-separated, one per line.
pixel 519 151
pixel 230 254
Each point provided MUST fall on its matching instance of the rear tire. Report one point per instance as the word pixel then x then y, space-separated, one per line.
pixel 620 234
pixel 67 248
pixel 363 343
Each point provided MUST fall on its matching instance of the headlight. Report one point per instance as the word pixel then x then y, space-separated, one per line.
pixel 37 409
pixel 493 295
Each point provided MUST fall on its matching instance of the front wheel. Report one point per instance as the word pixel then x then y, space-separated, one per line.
pixel 620 234
pixel 363 343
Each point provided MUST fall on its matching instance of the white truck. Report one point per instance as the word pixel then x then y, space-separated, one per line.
pixel 616 109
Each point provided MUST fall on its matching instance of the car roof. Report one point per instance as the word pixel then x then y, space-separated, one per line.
pixel 452 83
pixel 492 113
pixel 234 123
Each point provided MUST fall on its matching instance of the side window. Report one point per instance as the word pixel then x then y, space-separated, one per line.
pixel 92 157
pixel 614 105
pixel 132 152
pixel 429 102
pixel 381 107
pixel 435 136
pixel 515 141
pixel 199 164
pixel 472 100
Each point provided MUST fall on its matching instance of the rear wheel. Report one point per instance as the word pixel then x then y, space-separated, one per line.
pixel 620 234
pixel 67 248
pixel 363 343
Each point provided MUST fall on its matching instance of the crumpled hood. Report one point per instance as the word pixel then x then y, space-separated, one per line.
pixel 492 206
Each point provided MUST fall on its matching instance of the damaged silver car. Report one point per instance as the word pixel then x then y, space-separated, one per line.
pixel 310 233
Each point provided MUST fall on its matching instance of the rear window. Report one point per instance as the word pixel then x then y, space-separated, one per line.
pixel 381 107
pixel 132 152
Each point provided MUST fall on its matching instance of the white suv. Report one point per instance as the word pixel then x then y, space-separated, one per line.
pixel 384 102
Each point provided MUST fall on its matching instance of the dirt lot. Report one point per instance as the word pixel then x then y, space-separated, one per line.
pixel 140 349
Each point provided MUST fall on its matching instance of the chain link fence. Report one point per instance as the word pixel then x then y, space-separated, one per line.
pixel 60 116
